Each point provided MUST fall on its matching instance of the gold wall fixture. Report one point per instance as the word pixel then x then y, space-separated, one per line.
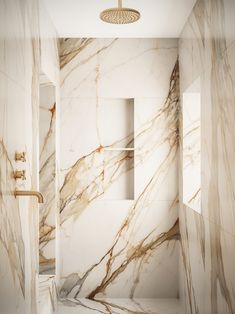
pixel 20 174
pixel 30 193
pixel 120 15
pixel 20 157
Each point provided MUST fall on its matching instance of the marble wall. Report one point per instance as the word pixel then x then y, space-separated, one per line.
pixel 206 52
pixel 48 141
pixel 117 244
pixel 47 295
pixel 47 176
pixel 19 71
pixel 20 60
pixel 191 144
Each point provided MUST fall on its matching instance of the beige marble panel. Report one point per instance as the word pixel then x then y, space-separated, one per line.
pixel 207 240
pixel 47 177
pixel 19 106
pixel 122 306
pixel 135 246
pixel 49 138
pixel 192 261
pixel 219 117
pixel 120 66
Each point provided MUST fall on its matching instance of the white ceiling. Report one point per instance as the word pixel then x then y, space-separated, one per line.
pixel 80 18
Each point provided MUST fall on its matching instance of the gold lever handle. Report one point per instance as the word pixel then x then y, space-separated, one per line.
pixel 30 193
pixel 20 174
pixel 20 157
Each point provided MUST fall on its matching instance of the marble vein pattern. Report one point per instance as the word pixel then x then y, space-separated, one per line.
pixel 12 267
pixel 48 142
pixel 192 146
pixel 47 175
pixel 136 242
pixel 220 179
pixel 19 69
pixel 69 49
pixel 112 306
pixel 192 261
pixel 207 239
pixel 19 120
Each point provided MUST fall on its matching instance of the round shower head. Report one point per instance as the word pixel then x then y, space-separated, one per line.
pixel 120 15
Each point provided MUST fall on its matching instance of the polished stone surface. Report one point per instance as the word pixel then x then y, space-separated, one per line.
pixel 48 142
pixel 111 245
pixel 206 52
pixel 19 73
pixel 20 58
pixel 47 298
pixel 121 306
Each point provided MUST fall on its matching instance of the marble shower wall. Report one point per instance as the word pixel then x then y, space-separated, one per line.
pixel 119 245
pixel 48 141
pixel 20 37
pixel 47 177
pixel 19 71
pixel 206 52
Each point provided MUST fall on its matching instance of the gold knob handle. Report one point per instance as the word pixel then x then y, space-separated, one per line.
pixel 20 174
pixel 20 157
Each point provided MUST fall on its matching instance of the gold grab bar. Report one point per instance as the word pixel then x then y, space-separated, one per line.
pixel 30 193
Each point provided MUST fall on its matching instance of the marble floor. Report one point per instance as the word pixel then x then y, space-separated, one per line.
pixel 120 306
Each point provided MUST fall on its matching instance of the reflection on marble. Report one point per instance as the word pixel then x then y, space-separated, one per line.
pixel 207 240
pixel 135 246
pixel 122 306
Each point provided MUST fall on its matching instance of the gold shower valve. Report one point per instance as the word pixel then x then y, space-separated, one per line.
pixel 20 174
pixel 20 157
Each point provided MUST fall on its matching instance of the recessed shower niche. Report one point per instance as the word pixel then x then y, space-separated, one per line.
pixel 116 132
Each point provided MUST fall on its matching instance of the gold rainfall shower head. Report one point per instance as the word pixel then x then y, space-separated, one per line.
pixel 120 15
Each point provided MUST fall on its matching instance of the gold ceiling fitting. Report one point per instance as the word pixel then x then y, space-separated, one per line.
pixel 120 15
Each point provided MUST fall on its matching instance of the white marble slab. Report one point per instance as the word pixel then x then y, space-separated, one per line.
pixel 152 306
pixel 207 240
pixel 127 199
pixel 192 146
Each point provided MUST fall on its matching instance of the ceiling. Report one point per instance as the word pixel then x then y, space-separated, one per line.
pixel 80 18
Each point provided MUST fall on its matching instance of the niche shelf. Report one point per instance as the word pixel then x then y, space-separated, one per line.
pixel 117 134
pixel 119 149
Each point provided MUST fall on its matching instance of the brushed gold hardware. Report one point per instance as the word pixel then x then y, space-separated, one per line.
pixel 20 174
pixel 20 157
pixel 120 15
pixel 30 193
